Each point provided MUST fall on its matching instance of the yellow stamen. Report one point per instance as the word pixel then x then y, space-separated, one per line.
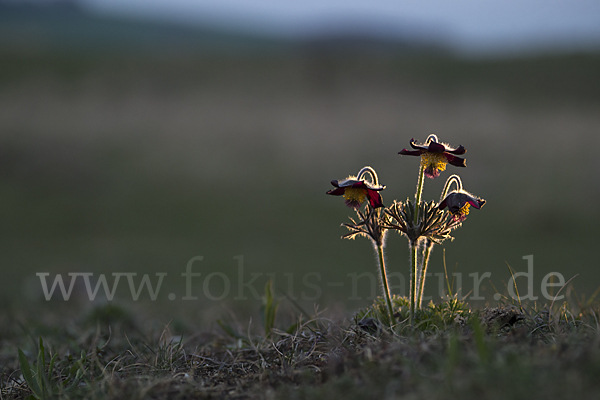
pixel 434 161
pixel 355 195
pixel 463 211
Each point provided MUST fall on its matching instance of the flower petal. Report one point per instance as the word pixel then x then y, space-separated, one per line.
pixel 456 161
pixel 374 198
pixel 476 203
pixel 442 205
pixel 458 151
pixel 454 200
pixel 457 199
pixel 405 152
pixel 366 185
pixel 359 185
pixel 336 192
pixel 435 147
pixel 348 182
pixel 414 145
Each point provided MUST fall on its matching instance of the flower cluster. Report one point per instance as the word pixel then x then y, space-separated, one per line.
pixel 424 224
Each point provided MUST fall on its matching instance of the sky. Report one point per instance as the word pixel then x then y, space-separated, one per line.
pixel 476 26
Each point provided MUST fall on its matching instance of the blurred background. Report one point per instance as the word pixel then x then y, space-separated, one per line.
pixel 136 135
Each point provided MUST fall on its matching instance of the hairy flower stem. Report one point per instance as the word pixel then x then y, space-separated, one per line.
pixel 430 138
pixel 452 179
pixel 384 282
pixel 370 171
pixel 426 254
pixel 413 246
pixel 418 193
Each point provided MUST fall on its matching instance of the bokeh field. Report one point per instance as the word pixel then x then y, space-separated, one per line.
pixel 117 162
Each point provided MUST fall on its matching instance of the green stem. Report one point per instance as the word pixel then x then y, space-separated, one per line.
pixel 384 283
pixel 426 255
pixel 418 194
pixel 413 282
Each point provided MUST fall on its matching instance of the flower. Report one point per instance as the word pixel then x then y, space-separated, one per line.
pixel 357 191
pixel 458 203
pixel 435 156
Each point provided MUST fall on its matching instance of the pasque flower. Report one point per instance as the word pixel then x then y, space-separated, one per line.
pixel 458 203
pixel 356 191
pixel 435 155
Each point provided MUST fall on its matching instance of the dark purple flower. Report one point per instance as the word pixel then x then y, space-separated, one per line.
pixel 355 192
pixel 458 203
pixel 435 156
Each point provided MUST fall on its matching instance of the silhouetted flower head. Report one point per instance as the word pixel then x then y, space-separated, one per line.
pixel 356 191
pixel 458 203
pixel 435 155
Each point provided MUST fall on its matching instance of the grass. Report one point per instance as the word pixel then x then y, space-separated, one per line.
pixel 452 352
